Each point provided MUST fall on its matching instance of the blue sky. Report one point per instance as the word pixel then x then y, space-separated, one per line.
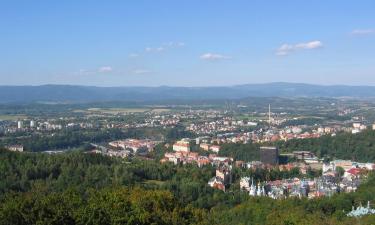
pixel 186 43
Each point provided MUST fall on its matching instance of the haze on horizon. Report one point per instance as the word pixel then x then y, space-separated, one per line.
pixel 190 43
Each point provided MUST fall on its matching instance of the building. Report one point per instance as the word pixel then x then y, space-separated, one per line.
pixel 245 183
pixel 19 124
pixel 215 148
pixel 361 211
pixel 217 182
pixel 181 146
pixel 254 165
pixel 356 125
pixel 205 146
pixel 15 148
pixel 345 164
pixel 225 175
pixel 137 146
pixel 32 123
pixel 301 155
pixel 269 155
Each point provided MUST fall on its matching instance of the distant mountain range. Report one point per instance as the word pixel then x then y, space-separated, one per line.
pixel 75 94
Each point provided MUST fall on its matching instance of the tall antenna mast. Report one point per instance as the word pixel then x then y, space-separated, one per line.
pixel 269 115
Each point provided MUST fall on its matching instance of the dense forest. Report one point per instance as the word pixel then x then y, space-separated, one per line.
pixel 357 147
pixel 79 188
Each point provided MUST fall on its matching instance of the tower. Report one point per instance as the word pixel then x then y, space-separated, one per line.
pixel 269 115
pixel 252 188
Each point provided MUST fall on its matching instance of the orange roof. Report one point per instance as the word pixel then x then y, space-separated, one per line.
pixel 354 171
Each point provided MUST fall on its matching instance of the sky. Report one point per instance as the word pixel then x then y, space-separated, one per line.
pixel 186 43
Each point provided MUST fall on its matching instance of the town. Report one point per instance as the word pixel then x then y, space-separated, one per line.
pixel 264 153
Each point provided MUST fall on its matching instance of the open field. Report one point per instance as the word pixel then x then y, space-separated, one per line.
pixel 250 117
pixel 12 117
pixel 159 110
pixel 116 111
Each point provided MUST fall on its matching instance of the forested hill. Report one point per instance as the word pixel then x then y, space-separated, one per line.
pixel 79 188
pixel 69 93
pixel 358 147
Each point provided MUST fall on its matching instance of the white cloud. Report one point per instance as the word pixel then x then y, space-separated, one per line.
pixel 286 49
pixel 133 55
pixel 214 57
pixel 157 49
pixel 165 46
pixel 141 71
pixel 174 44
pixel 105 69
pixel 363 31
pixel 309 45
pixel 83 71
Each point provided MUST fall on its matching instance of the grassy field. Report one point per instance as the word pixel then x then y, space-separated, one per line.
pixel 160 110
pixel 250 118
pixel 12 117
pixel 116 111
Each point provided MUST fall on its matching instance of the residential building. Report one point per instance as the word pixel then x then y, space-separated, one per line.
pixel 181 146
pixel 269 155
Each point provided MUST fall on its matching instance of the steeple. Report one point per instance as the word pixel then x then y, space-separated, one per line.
pixel 252 188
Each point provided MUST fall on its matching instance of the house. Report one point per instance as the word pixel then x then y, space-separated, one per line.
pixel 215 148
pixel 217 182
pixel 205 146
pixel 352 173
pixel 225 174
pixel 245 183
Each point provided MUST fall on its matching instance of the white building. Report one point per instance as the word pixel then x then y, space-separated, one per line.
pixel 245 183
pixel 19 124
pixel 15 148
pixel 215 148
pixel 181 146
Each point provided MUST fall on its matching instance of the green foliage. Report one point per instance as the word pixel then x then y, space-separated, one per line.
pixel 106 206
pixel 360 147
pixel 357 147
pixel 340 170
pixel 238 151
pixel 302 121
pixel 178 132
pixel 78 188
